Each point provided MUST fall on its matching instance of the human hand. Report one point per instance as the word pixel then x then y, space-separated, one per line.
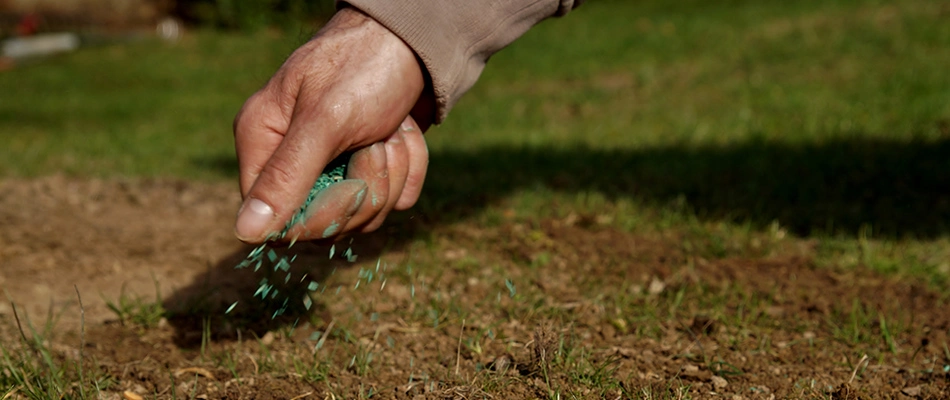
pixel 351 87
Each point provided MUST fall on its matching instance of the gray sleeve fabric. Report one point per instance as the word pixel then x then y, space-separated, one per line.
pixel 455 38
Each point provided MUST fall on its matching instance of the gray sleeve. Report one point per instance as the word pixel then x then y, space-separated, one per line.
pixel 454 38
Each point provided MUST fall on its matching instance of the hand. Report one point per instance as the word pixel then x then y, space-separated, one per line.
pixel 350 87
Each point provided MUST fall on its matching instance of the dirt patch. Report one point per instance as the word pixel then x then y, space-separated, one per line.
pixel 522 309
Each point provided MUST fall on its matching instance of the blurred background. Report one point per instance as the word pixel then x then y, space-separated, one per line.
pixel 25 17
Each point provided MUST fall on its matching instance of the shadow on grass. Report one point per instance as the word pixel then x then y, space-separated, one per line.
pixel 899 188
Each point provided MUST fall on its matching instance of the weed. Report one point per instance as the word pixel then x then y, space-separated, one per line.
pixel 137 310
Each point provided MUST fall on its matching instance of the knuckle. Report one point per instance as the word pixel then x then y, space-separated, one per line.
pixel 280 172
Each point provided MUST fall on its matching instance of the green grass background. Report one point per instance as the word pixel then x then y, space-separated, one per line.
pixel 830 119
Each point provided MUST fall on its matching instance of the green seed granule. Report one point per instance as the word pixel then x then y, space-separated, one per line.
pixel 265 254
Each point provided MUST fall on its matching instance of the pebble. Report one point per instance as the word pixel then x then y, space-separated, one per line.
pixel 500 363
pixel 128 395
pixel 267 339
pixel 911 391
pixel 718 382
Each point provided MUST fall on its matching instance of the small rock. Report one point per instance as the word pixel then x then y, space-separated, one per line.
pixel 692 372
pixel 912 391
pixel 656 286
pixel 268 339
pixel 128 395
pixel 718 382
pixel 500 363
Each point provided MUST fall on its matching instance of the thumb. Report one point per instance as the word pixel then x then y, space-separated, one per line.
pixel 282 186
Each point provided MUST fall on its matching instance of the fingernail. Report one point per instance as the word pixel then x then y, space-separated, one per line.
pixel 377 159
pixel 396 137
pixel 253 219
pixel 406 126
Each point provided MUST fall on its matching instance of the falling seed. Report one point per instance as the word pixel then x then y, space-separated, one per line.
pixel 312 286
pixel 511 287
pixel 265 253
pixel 307 302
pixel 228 311
pixel 332 250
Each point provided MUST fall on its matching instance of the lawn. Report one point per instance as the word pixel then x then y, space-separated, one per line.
pixel 639 200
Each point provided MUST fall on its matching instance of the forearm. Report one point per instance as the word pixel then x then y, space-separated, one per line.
pixel 454 38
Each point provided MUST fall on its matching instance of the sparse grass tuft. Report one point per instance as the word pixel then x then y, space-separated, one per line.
pixel 31 369
pixel 137 310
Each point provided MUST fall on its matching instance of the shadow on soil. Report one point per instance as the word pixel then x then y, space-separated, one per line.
pixel 900 189
pixel 204 307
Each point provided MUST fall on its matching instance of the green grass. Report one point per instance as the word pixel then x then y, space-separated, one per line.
pixel 141 109
pixel 30 368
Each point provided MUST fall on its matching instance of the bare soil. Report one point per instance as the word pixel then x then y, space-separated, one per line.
pixel 592 311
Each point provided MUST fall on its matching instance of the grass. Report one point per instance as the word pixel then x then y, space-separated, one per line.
pixel 141 109
pixel 31 369
pixel 722 130
pixel 137 310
